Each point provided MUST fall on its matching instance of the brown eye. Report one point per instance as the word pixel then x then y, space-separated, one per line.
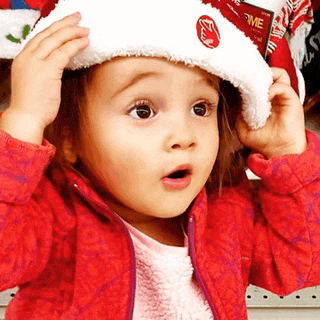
pixel 200 109
pixel 141 112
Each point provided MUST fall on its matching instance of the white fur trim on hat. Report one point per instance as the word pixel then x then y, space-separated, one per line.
pixel 12 24
pixel 168 28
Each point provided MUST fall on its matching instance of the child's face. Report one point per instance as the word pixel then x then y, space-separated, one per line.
pixel 146 117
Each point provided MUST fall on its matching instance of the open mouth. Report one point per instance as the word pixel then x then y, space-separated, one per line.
pixel 179 174
pixel 180 178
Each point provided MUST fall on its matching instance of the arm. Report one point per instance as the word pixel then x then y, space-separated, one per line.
pixel 27 198
pixel 286 231
pixel 25 227
pixel 286 224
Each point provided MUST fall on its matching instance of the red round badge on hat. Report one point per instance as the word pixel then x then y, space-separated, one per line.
pixel 208 32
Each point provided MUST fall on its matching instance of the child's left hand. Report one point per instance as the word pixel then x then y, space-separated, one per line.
pixel 284 132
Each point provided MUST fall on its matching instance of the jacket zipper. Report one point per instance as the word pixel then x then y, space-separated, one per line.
pixel 133 269
pixel 133 256
pixel 195 266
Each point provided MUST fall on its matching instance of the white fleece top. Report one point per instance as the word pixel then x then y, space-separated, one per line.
pixel 166 288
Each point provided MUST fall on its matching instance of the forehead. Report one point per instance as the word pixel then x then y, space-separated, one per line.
pixel 119 71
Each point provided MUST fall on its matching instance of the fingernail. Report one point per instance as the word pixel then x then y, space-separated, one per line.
pixel 85 31
pixel 77 15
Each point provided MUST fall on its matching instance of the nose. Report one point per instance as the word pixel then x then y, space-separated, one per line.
pixel 180 135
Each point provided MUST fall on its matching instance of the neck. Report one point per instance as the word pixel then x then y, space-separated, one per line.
pixel 165 231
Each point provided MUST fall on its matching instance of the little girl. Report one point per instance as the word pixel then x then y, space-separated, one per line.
pixel 123 200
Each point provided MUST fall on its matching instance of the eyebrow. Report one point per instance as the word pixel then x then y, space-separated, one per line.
pixel 206 80
pixel 134 80
pixel 210 82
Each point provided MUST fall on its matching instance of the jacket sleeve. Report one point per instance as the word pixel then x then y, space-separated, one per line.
pixel 286 231
pixel 25 224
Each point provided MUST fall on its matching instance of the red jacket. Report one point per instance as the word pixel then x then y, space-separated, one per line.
pixel 73 258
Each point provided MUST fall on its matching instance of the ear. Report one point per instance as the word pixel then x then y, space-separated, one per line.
pixel 69 151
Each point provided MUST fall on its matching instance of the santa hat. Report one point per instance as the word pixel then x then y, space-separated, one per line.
pixel 188 31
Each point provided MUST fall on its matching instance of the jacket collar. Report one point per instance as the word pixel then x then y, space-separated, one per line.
pixel 74 181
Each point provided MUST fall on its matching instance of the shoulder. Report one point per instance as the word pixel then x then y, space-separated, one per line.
pixel 235 203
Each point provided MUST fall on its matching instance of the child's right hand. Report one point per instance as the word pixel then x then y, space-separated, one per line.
pixel 36 78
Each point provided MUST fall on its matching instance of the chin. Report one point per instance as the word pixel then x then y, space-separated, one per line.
pixel 170 211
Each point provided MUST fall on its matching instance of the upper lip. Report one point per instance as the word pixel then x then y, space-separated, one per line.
pixel 183 167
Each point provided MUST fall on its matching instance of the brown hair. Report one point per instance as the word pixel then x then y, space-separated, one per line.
pixel 5 66
pixel 231 160
pixel 67 126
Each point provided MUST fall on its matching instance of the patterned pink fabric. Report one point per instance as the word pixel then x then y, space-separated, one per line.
pixel 72 257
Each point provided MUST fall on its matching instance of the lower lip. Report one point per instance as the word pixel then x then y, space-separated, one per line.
pixel 177 183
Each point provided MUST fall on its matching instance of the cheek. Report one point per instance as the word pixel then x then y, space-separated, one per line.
pixel 123 160
pixel 210 138
pixel 210 147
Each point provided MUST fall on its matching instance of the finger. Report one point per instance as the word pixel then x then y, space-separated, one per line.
pixel 284 94
pixel 281 76
pixel 61 57
pixel 58 39
pixel 72 19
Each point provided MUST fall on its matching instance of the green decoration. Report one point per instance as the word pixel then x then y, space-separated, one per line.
pixel 25 32
pixel 12 39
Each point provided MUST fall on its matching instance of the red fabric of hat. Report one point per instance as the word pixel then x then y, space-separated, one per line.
pixel 281 58
pixel 31 4
pixel 5 4
pixel 47 7
pixel 34 4
pixel 233 11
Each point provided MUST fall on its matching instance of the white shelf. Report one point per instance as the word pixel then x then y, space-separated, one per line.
pixel 262 304
pixel 305 298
